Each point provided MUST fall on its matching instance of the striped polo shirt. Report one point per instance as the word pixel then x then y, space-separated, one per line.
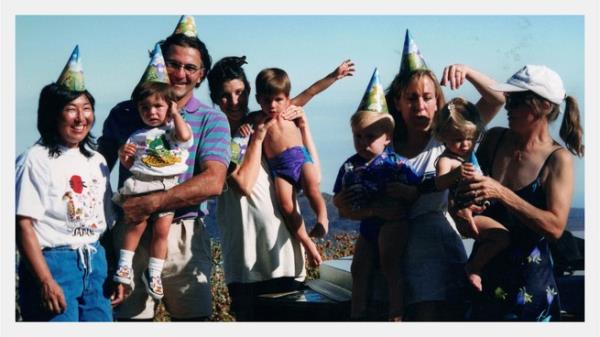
pixel 211 140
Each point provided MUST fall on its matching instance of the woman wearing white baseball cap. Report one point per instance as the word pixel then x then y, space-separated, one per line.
pixel 529 179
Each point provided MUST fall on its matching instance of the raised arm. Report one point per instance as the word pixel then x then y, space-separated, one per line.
pixel 244 175
pixel 490 102
pixel 343 70
pixel 183 132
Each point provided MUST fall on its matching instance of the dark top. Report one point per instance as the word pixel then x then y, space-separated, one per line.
pixel 518 284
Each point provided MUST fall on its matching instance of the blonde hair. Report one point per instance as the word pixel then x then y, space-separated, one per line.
pixel 383 119
pixel 457 116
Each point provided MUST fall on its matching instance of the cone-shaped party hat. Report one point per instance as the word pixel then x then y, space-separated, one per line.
pixel 374 97
pixel 411 56
pixel 186 26
pixel 156 71
pixel 72 74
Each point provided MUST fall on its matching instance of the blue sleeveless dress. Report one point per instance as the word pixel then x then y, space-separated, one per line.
pixel 519 284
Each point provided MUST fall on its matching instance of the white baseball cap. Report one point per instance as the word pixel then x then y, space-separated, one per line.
pixel 539 79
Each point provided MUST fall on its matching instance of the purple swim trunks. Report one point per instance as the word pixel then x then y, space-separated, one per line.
pixel 288 164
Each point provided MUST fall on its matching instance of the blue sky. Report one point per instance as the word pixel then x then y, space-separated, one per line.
pixel 114 55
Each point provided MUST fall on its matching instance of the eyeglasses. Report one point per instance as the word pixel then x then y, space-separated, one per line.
pixel 189 69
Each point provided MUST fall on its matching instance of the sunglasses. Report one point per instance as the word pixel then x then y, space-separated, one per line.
pixel 515 99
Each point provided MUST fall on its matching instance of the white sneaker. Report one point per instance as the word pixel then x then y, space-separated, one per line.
pixel 153 285
pixel 124 275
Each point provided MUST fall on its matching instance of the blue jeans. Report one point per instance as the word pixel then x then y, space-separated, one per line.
pixel 81 273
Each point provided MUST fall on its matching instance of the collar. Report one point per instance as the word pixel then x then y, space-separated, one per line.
pixel 192 105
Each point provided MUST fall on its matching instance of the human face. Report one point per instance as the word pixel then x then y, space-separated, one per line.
pixel 75 121
pixel 274 105
pixel 234 100
pixel 153 110
pixel 519 112
pixel 369 138
pixel 418 104
pixel 180 62
pixel 459 143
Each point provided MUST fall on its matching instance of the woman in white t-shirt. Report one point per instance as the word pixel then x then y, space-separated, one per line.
pixel 62 208
pixel 260 255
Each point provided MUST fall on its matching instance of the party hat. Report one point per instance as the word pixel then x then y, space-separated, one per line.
pixel 72 74
pixel 411 56
pixel 186 26
pixel 156 71
pixel 374 97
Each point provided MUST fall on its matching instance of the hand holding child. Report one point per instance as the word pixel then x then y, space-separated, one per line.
pixel 127 154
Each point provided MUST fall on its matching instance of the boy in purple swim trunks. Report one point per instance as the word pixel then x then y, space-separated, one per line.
pixel 290 162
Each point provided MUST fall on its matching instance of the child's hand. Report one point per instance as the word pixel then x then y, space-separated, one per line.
pixel 173 110
pixel 245 130
pixel 344 69
pixel 127 153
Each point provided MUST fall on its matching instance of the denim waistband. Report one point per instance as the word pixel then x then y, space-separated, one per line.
pixel 84 250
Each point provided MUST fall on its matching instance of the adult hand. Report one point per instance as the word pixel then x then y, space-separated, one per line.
pixel 53 299
pixel 119 294
pixel 262 126
pixel 343 70
pixel 127 153
pixel 139 208
pixel 480 188
pixel 293 112
pixel 455 75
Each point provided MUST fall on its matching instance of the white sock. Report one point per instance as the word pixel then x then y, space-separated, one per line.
pixel 155 266
pixel 126 258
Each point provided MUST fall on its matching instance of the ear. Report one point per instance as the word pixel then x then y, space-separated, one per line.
pixel 547 106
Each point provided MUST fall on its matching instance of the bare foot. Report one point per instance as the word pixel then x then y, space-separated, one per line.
pixel 312 254
pixel 319 230
pixel 475 281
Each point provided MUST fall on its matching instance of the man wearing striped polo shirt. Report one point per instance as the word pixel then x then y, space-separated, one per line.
pixel 187 268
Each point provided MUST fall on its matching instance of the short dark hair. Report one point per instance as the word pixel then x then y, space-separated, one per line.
pixel 147 89
pixel 183 40
pixel 53 98
pixel 272 81
pixel 227 69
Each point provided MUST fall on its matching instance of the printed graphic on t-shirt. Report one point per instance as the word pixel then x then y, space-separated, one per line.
pixel 158 152
pixel 82 201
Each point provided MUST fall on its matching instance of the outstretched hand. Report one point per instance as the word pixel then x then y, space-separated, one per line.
pixel 344 69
